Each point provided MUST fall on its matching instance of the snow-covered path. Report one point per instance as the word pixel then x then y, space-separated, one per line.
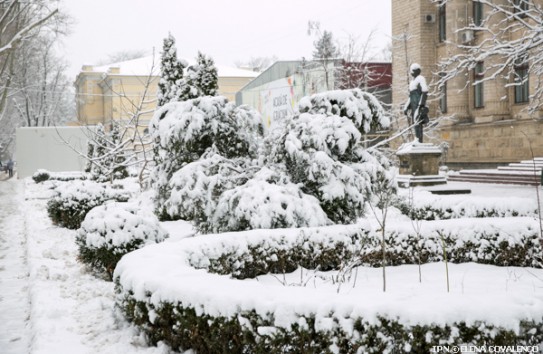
pixel 49 302
pixel 14 290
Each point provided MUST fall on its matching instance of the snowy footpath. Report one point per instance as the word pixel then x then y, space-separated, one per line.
pixel 14 291
pixel 49 302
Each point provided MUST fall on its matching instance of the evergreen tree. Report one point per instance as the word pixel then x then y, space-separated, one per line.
pixel 325 47
pixel 171 73
pixel 203 76
pixel 90 155
pixel 325 52
pixel 100 148
pixel 116 161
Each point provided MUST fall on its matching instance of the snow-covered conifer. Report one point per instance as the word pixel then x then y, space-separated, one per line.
pixel 362 108
pixel 171 73
pixel 183 132
pixel 203 76
pixel 108 160
pixel 267 201
pixel 196 187
pixel 116 159
pixel 97 169
pixel 321 150
pixel 325 47
pixel 90 154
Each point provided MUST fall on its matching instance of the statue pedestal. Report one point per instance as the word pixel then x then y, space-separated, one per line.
pixel 419 165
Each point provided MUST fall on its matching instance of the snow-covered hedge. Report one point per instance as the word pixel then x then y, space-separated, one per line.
pixel 41 175
pixel 427 206
pixel 495 241
pixel 252 332
pixel 76 198
pixel 200 313
pixel 182 132
pixel 500 242
pixel 112 230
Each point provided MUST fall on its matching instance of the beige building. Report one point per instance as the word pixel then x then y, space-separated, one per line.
pixel 117 91
pixel 487 124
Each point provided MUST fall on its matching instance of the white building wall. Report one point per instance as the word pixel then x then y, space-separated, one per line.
pixel 43 147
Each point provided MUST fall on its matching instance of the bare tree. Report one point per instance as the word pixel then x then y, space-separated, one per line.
pixel 127 145
pixel 24 24
pixel 384 189
pixel 508 39
pixel 357 71
pixel 41 94
pixel 19 24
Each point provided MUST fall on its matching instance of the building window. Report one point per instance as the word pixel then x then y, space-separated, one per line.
pixel 443 95
pixel 442 21
pixel 522 88
pixel 520 7
pixel 477 13
pixel 478 75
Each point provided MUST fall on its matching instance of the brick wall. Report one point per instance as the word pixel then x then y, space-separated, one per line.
pixel 493 134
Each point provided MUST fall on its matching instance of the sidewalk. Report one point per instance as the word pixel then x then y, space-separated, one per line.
pixel 14 284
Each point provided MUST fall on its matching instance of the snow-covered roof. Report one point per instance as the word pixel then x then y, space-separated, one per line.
pixel 142 67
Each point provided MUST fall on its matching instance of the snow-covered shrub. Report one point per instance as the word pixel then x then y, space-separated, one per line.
pixel 324 155
pixel 197 186
pixel 321 150
pixel 41 175
pixel 112 230
pixel 267 201
pixel 76 198
pixel 362 108
pixel 183 132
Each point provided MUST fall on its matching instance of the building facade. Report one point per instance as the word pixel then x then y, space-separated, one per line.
pixel 117 91
pixel 486 124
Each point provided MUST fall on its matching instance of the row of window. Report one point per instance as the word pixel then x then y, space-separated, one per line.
pixel 521 93
pixel 521 90
pixel 520 7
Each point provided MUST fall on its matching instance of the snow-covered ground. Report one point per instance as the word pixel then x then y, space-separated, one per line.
pixel 50 303
pixel 15 332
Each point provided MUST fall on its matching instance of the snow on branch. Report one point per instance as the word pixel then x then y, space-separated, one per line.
pixel 509 38
pixel 19 36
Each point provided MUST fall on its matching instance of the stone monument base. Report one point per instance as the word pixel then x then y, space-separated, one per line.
pixel 419 165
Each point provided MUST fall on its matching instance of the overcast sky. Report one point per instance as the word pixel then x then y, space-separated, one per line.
pixel 227 30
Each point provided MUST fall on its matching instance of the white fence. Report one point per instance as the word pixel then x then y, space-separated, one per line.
pixel 43 147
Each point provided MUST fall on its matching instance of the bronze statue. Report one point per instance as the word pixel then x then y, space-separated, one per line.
pixel 415 107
